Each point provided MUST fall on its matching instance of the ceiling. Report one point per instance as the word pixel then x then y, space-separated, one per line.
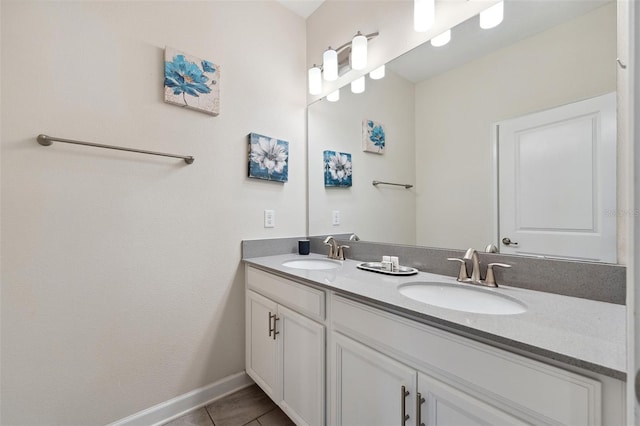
pixel 302 8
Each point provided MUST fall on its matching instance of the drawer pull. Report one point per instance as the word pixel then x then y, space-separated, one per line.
pixel 404 395
pixel 271 330
pixel 419 401
pixel 275 318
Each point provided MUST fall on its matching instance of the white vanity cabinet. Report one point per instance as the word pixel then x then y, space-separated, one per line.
pixel 387 364
pixel 285 344
pixel 371 388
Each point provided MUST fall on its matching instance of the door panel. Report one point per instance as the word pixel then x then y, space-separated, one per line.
pixel 447 406
pixel 367 386
pixel 261 347
pixel 302 365
pixel 557 181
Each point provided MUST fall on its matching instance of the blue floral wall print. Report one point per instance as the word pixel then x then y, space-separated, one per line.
pixel 373 137
pixel 268 158
pixel 337 169
pixel 191 82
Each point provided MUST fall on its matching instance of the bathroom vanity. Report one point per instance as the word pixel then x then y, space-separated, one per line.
pixel 343 346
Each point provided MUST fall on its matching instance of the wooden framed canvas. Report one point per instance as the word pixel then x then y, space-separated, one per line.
pixel 337 169
pixel 191 82
pixel 268 158
pixel 373 137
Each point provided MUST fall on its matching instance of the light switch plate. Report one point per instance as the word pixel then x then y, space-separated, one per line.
pixel 269 218
pixel 335 217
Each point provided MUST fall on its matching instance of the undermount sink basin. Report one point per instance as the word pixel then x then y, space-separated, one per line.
pixel 462 297
pixel 312 264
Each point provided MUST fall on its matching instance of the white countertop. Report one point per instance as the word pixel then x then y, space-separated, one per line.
pixel 580 332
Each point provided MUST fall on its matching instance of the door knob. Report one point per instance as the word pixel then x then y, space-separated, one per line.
pixel 507 242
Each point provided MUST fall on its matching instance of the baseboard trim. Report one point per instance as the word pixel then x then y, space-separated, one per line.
pixel 182 404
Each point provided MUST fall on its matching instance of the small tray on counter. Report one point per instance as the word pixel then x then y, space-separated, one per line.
pixel 377 267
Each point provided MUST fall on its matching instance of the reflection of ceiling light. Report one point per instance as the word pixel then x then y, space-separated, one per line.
pixel 315 80
pixel 334 96
pixel 492 16
pixel 441 39
pixel 377 74
pixel 359 52
pixel 357 85
pixel 330 64
pixel 424 14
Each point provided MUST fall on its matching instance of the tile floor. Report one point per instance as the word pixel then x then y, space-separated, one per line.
pixel 249 406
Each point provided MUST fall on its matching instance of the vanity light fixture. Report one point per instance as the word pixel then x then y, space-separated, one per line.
pixel 334 96
pixel 424 15
pixel 315 80
pixel 336 62
pixel 357 85
pixel 492 16
pixel 359 52
pixel 378 73
pixel 330 64
pixel 441 39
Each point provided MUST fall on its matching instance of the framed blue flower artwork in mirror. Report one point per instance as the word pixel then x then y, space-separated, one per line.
pixel 337 169
pixel 373 137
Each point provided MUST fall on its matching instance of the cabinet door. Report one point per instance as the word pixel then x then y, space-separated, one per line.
pixel 367 386
pixel 261 346
pixel 447 406
pixel 302 364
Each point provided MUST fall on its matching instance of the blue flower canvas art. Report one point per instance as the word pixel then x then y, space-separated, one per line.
pixel 191 82
pixel 268 158
pixel 337 169
pixel 373 137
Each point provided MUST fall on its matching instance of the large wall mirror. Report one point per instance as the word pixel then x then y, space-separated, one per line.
pixel 439 107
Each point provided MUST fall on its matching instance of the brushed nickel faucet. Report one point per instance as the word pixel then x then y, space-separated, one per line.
pixel 476 278
pixel 472 255
pixel 335 251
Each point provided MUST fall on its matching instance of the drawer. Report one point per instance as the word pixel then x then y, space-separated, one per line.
pixel 306 300
pixel 537 391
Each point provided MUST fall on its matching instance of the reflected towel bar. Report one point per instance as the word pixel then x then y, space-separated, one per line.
pixel 377 182
pixel 45 140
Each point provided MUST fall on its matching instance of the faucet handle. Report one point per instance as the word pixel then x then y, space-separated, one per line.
pixel 463 274
pixel 491 278
pixel 340 253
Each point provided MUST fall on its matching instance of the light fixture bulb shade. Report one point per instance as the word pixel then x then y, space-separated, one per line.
pixel 441 39
pixel 492 16
pixel 424 15
pixel 357 85
pixel 330 64
pixel 378 73
pixel 315 81
pixel 359 52
pixel 334 96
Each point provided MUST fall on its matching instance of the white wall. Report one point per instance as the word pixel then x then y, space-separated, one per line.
pixel 455 110
pixel 383 213
pixel 122 285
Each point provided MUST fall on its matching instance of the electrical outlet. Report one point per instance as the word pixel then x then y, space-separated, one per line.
pixel 335 217
pixel 269 218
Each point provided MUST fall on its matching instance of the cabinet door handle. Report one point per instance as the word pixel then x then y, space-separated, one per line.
pixel 271 330
pixel 419 401
pixel 275 318
pixel 403 400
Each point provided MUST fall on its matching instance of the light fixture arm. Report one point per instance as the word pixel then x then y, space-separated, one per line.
pixel 348 44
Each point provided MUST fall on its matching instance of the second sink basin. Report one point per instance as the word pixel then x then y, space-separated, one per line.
pixel 462 297
pixel 312 264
